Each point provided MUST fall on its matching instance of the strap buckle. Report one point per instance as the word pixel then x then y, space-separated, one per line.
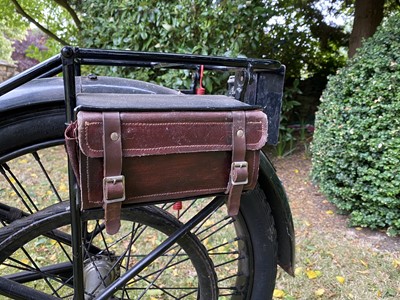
pixel 113 180
pixel 236 167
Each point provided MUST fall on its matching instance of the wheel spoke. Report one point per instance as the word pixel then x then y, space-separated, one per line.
pixel 3 169
pixel 230 221
pixel 36 268
pixel 40 274
pixel 46 174
pixel 159 272
pixel 152 284
pixel 171 265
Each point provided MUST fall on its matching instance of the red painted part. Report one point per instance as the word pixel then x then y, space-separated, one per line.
pixel 177 205
pixel 201 90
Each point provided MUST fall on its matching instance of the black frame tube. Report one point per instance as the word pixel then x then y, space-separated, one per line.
pixel 112 56
pixel 52 66
pixel 69 70
pixel 47 66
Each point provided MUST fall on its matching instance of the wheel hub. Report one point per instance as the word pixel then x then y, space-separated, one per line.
pixel 99 272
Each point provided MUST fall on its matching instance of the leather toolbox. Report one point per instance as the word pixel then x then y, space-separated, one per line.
pixel 157 148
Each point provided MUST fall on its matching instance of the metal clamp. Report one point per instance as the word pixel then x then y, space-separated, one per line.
pixel 239 165
pixel 113 180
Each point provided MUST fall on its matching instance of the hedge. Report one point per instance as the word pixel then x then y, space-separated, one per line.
pixel 356 146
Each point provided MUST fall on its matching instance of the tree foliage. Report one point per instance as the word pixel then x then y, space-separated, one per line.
pixel 356 145
pixel 228 28
pixel 51 17
pixel 11 27
pixel 275 29
pixel 293 32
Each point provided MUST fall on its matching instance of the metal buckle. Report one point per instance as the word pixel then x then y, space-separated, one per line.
pixel 239 165
pixel 113 180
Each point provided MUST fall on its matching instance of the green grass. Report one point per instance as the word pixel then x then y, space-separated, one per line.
pixel 334 266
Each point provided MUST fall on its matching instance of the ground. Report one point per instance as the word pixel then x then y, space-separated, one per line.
pixel 310 206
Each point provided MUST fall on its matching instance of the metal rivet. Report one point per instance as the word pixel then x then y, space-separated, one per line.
pixel 240 133
pixel 114 136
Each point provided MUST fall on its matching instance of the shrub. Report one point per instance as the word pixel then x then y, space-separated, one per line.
pixel 356 147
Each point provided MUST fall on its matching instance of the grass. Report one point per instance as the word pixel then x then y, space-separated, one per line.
pixel 332 260
pixel 334 267
pixel 329 265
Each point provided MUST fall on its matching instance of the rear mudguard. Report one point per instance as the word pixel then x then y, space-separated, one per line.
pixel 48 92
pixel 278 201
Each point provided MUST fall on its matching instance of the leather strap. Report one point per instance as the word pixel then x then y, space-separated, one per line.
pixel 72 148
pixel 113 181
pixel 239 174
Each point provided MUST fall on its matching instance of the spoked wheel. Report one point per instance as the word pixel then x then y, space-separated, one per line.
pixel 37 249
pixel 237 255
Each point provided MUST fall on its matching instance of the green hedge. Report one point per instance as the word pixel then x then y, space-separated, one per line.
pixel 356 147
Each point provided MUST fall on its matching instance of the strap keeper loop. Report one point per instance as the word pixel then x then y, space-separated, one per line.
pixel 113 180
pixel 240 169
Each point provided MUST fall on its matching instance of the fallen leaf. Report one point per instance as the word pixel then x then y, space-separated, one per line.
pixel 313 274
pixel 340 279
pixel 63 187
pixel 298 271
pixel 319 292
pixel 396 263
pixel 365 264
pixel 53 257
pixel 279 294
pixel 329 212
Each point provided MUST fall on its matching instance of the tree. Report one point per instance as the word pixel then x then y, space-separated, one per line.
pixel 368 14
